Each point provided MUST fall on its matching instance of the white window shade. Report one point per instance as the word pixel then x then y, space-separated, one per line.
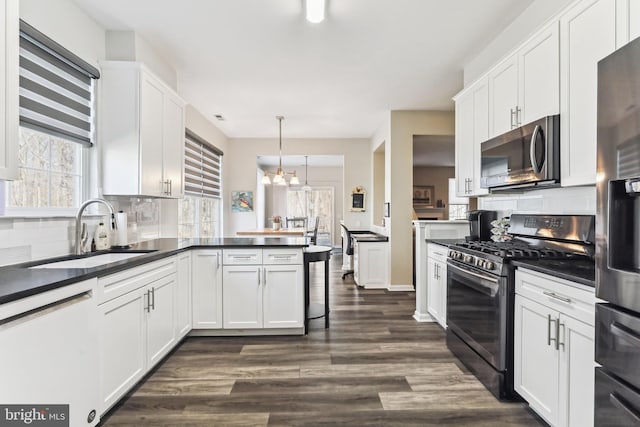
pixel 56 88
pixel 202 167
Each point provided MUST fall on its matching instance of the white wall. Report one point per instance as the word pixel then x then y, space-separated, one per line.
pixel 240 164
pixel 399 181
pixel 539 12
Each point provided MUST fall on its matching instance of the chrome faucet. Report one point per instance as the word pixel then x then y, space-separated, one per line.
pixel 114 226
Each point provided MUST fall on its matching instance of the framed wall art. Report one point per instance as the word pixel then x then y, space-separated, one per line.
pixel 242 201
pixel 358 201
pixel 423 194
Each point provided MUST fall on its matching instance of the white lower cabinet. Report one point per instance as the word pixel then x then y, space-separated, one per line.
pixel 370 264
pixel 437 283
pixel 137 328
pixel 206 284
pixel 262 295
pixel 554 348
pixel 49 353
pixel 183 295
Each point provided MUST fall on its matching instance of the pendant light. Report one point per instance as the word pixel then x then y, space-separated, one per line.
pixel 306 186
pixel 279 177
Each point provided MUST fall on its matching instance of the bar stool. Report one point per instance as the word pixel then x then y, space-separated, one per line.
pixel 315 253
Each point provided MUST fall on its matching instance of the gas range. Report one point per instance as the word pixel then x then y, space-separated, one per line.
pixel 493 257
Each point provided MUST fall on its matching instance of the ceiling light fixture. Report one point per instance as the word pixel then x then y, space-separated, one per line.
pixel 279 176
pixel 315 10
pixel 306 186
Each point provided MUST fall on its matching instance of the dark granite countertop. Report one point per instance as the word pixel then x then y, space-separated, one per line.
pixel 18 281
pixel 580 271
pixel 369 236
pixel 445 242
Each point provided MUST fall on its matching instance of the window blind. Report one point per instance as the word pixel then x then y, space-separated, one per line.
pixel 56 88
pixel 202 167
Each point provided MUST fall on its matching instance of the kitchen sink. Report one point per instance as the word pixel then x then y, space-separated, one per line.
pixel 90 261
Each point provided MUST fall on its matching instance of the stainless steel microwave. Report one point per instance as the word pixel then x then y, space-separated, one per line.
pixel 525 157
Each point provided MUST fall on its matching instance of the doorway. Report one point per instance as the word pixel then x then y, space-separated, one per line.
pixel 311 203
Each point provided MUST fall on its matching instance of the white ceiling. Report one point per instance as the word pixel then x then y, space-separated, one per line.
pixel 298 162
pixel 251 60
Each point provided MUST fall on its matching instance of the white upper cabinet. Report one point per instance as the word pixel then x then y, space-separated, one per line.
pixel 503 96
pixel 627 21
pixel 525 86
pixel 471 130
pixel 9 90
pixel 539 75
pixel 587 34
pixel 142 123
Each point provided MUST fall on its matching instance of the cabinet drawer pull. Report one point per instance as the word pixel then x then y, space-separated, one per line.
pixel 621 404
pixel 287 257
pixel 556 296
pixel 241 256
pixel 549 339
pixel 622 331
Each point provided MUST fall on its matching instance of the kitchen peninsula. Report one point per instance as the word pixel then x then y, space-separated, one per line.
pixel 119 318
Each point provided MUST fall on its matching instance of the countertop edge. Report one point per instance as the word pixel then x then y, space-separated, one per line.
pixel 70 276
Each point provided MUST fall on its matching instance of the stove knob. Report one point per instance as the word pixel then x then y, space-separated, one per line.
pixel 489 265
pixel 452 254
pixel 481 263
pixel 468 259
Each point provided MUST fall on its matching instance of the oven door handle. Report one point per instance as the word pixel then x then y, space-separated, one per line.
pixel 478 286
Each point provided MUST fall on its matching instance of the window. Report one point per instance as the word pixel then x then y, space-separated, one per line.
pixel 458 206
pixel 50 172
pixel 56 123
pixel 199 210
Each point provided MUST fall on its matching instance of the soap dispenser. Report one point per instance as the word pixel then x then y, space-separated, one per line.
pixel 101 237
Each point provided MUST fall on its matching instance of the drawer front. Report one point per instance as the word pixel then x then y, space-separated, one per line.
pixel 114 285
pixel 437 252
pixel 562 295
pixel 616 404
pixel 282 256
pixel 241 256
pixel 618 342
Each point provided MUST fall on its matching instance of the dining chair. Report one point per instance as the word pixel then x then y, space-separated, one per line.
pixel 313 233
pixel 296 222
pixel 348 250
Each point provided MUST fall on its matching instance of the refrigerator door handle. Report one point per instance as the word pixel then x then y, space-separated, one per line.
pixel 621 404
pixel 620 331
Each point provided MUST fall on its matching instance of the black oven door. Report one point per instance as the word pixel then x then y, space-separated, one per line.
pixel 477 311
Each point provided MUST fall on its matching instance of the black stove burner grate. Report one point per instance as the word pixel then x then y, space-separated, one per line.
pixel 517 250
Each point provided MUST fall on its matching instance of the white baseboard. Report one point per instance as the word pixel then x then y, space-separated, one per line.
pixel 400 288
pixel 423 317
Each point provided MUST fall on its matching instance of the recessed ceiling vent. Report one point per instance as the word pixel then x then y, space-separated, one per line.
pixel 220 117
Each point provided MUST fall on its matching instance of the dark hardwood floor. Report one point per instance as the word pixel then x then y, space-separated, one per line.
pixel 375 366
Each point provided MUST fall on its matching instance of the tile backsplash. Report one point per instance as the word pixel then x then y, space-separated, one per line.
pixel 558 201
pixel 28 239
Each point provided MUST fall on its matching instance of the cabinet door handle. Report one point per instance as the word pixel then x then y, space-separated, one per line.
pixel 170 188
pixel 153 298
pixel 556 296
pixel 518 118
pixel 549 339
pixel 147 307
pixel 514 117
pixel 558 342
pixel 265 276
pixel 217 260
pixel 623 405
pixel 259 281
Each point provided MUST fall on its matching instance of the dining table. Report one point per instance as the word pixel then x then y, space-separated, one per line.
pixel 281 232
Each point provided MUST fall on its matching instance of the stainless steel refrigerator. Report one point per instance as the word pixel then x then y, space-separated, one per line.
pixel 617 389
